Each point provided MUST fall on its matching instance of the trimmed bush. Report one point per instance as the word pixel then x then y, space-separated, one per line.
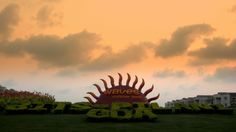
pixel 98 114
pixel 121 114
pixel 139 105
pixel 217 106
pixel 206 109
pixel 80 108
pixel 177 108
pixel 61 107
pixel 16 109
pixel 185 108
pixel 100 106
pixel 121 105
pixel 144 114
pixel 2 105
pixel 38 109
pixel 195 107
pixel 154 106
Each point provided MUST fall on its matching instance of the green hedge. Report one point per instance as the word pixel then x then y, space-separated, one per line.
pixel 206 109
pixel 195 108
pixel 121 105
pixel 61 107
pixel 217 106
pixel 139 105
pixel 37 108
pixel 144 115
pixel 98 114
pixel 100 106
pixel 80 108
pixel 121 114
pixel 17 109
pixel 2 105
pixel 154 106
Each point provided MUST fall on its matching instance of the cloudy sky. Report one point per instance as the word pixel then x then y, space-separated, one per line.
pixel 62 47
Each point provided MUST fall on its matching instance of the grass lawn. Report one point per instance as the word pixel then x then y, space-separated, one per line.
pixel 165 123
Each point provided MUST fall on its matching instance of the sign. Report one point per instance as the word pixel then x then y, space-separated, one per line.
pixel 121 93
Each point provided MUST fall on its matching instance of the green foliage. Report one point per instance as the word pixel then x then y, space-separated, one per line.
pixel 121 105
pixel 61 107
pixel 177 108
pixel 98 114
pixel 140 105
pixel 100 106
pixel 185 108
pixel 206 109
pixel 217 106
pixel 80 108
pixel 195 108
pixel 2 105
pixel 121 114
pixel 154 106
pixel 37 108
pixel 19 97
pixel 16 109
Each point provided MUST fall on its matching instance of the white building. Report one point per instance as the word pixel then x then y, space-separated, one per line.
pixel 203 99
pixel 224 98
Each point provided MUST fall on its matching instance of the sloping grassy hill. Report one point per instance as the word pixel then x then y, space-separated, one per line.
pixel 79 123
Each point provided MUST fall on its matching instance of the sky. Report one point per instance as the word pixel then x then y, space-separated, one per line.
pixel 62 47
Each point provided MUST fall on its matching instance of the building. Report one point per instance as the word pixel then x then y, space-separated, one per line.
pixel 203 99
pixel 225 98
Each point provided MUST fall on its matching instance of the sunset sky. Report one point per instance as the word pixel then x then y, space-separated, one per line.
pixel 62 47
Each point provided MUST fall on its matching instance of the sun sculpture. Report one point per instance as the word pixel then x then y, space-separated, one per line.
pixel 121 93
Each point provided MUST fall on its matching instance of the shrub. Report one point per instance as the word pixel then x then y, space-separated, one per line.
pixel 18 97
pixel 61 107
pixel 217 106
pixel 37 108
pixel 185 108
pixel 2 105
pixel 98 114
pixel 206 109
pixel 177 108
pixel 195 107
pixel 121 105
pixel 140 105
pixel 80 108
pixel 154 106
pixel 100 106
pixel 16 109
pixel 121 114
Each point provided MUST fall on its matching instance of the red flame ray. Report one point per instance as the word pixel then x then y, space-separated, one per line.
pixel 135 82
pixel 120 79
pixel 148 91
pixel 98 88
pixel 154 98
